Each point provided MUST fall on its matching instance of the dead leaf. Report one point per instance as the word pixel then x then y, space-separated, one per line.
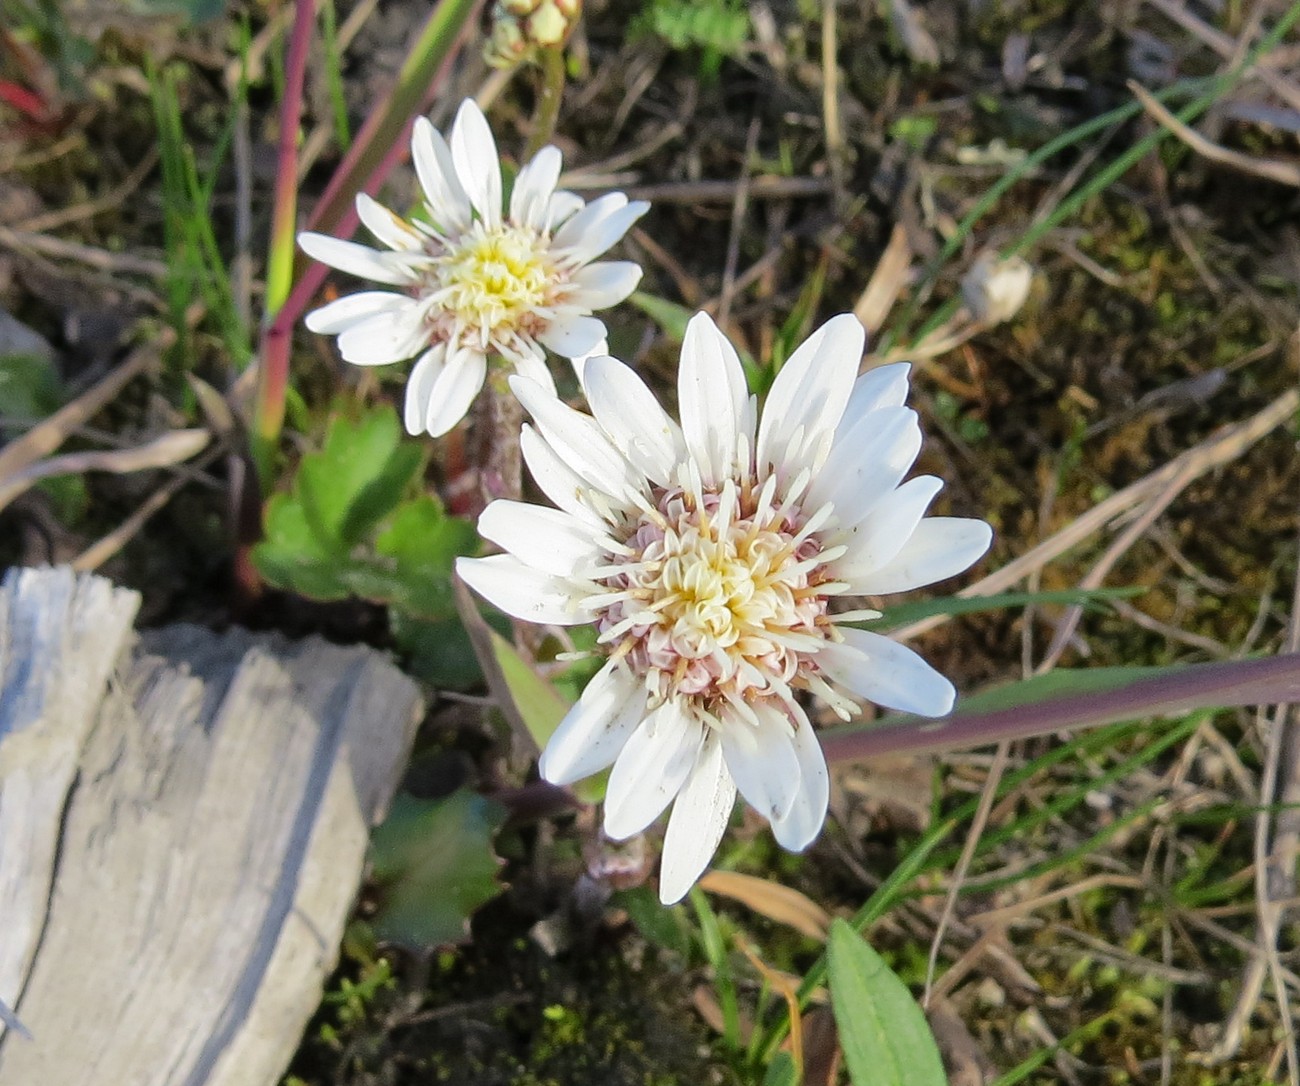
pixel 771 899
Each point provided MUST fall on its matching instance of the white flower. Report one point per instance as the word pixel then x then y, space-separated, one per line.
pixel 708 556
pixel 473 281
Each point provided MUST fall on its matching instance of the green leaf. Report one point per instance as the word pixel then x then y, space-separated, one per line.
pixel 883 1032
pixel 291 556
pixel 659 924
pixel 424 544
pixel 782 1071
pixel 905 613
pixel 29 386
pixel 673 318
pixel 439 651
pixel 539 706
pixel 434 863
pixel 357 478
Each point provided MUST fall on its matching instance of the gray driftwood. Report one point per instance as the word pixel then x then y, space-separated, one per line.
pixel 183 824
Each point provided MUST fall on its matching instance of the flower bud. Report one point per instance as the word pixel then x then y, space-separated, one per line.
pixel 994 289
pixel 570 9
pixel 547 26
pixel 506 46
pixel 518 7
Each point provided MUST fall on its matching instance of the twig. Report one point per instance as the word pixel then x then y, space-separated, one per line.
pixel 1226 47
pixel 831 101
pixel 987 795
pixel 108 545
pixel 1284 173
pixel 724 192
pixel 1274 871
pixel 1222 448
pixel 101 259
pixel 171 448
pixel 738 208
pixel 1095 577
pixel 45 437
pixel 49 220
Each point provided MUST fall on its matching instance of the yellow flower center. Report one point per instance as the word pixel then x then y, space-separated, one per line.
pixel 719 598
pixel 496 278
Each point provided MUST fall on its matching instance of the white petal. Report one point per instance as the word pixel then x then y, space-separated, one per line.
pixel 608 233
pixel 699 819
pixel 596 227
pixel 604 284
pixel 539 536
pixel 530 200
pixel 443 194
pixel 884 532
pixel 572 335
pixel 579 362
pixel 809 395
pixel 595 729
pixel 881 670
pixel 939 548
pixel 867 463
pixel 360 260
pixel 453 392
pixel 588 218
pixel 711 396
pixel 477 165
pixel 883 386
pixel 527 364
pixel 339 315
pixel 797 830
pixel 391 336
pixel 650 771
pixel 629 413
pixel 524 592
pixel 393 231
pixel 419 385
pixel 577 440
pixel 559 482
pixel 762 761
pixel 562 207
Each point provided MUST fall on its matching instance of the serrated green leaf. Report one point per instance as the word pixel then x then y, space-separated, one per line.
pixel 782 1071
pixel 357 478
pixel 434 863
pixel 883 1033
pixel 424 544
pixel 291 556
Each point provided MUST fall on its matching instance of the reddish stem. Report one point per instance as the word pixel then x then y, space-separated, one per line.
pixel 1268 681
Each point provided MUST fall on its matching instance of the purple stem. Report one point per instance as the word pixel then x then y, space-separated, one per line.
pixel 1273 680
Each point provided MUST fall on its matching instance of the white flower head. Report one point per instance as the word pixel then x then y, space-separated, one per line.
pixel 476 279
pixel 708 556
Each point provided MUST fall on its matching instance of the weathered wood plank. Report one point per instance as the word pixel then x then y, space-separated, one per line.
pixel 210 855
pixel 60 637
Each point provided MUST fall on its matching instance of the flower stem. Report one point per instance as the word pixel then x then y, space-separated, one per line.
pixel 549 95
pixel 272 373
pixel 497 423
pixel 1174 692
